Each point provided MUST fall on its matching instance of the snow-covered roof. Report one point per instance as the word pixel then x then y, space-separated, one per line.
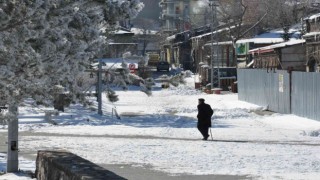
pixel 314 16
pixel 138 31
pixel 111 43
pixel 214 32
pixel 134 31
pixel 205 66
pixel 170 38
pixel 274 36
pixel 115 63
pixel 310 34
pixel 279 45
pixel 219 43
pixel 120 32
pixel 261 40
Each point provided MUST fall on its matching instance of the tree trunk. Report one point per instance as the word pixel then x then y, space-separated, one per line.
pixel 12 155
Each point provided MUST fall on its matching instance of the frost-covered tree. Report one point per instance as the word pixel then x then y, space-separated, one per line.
pixel 122 77
pixel 48 42
pixel 45 43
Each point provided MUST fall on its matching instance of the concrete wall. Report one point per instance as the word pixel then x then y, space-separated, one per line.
pixel 54 165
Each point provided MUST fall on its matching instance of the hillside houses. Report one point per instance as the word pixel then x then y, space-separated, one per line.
pixel 203 51
pixel 300 53
pixel 243 46
pixel 189 48
pixel 284 77
pixel 135 40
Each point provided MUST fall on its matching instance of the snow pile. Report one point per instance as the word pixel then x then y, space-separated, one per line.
pixel 26 167
pixel 184 90
pixel 314 133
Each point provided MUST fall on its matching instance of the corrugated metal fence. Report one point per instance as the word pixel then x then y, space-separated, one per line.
pixel 274 90
pixel 271 89
pixel 306 94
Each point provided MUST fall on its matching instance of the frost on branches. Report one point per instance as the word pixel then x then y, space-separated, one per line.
pixel 45 43
pixel 121 77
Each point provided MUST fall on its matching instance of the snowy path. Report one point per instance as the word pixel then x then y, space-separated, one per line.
pixel 189 157
pixel 159 132
pixel 27 136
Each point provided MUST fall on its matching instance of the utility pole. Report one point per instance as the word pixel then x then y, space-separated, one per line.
pixel 215 72
pixel 98 84
pixel 99 87
pixel 12 154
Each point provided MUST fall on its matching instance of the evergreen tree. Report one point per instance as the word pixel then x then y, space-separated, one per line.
pixel 48 43
pixel 44 43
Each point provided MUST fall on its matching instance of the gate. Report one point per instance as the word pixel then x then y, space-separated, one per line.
pixel 306 94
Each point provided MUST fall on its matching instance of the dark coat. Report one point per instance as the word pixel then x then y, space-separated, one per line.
pixel 204 114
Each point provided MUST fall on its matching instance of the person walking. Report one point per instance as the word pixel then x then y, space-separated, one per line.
pixel 204 118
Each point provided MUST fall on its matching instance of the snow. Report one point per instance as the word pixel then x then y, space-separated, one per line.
pixel 119 32
pixel 116 63
pixel 138 31
pixel 160 131
pixel 219 43
pixel 310 34
pixel 268 40
pixel 279 45
pixel 170 38
pixel 273 36
pixel 24 165
pixel 213 32
pixel 112 43
pixel 314 16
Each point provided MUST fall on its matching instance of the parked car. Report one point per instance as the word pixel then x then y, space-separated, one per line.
pixel 163 66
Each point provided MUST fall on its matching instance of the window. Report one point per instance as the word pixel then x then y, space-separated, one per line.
pixel 177 10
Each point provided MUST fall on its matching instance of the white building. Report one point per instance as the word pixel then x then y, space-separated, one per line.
pixel 177 15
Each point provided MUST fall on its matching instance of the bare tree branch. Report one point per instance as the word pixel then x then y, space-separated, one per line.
pixel 254 25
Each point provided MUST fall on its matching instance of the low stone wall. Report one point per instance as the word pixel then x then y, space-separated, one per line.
pixel 63 165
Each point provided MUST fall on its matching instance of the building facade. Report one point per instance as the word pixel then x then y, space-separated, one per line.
pixel 177 15
pixel 312 38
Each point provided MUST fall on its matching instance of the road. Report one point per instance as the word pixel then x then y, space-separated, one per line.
pixel 127 171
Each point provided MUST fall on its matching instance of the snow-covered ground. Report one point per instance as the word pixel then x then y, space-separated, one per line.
pixel 160 132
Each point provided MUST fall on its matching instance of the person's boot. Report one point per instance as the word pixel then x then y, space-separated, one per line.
pixel 205 138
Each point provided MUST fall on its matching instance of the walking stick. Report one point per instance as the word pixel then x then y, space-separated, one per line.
pixel 211 134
